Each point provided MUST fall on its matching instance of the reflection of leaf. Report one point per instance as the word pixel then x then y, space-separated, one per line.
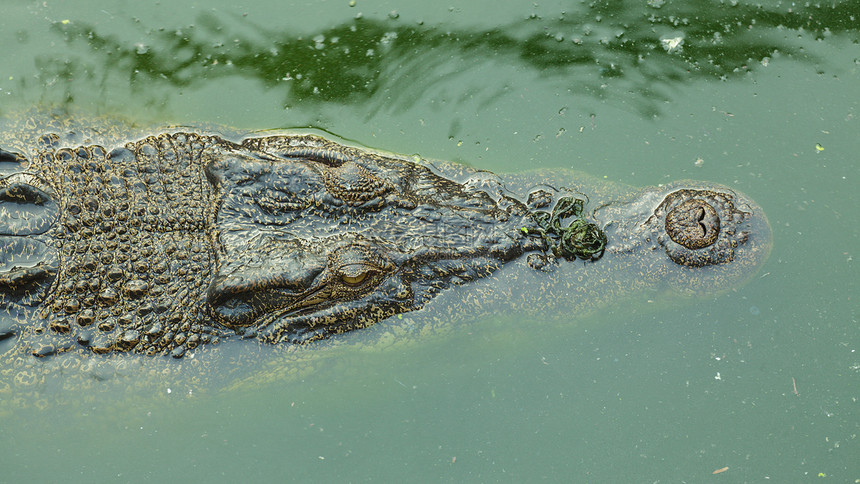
pixel 613 49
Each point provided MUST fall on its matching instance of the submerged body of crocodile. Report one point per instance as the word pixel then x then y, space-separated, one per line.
pixel 160 244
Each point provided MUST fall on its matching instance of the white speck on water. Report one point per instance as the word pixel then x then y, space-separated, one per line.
pixel 673 44
pixel 388 37
pixel 319 42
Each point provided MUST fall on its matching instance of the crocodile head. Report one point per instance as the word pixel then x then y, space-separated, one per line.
pixel 316 239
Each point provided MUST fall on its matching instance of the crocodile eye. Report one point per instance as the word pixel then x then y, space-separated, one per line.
pixel 356 269
pixel 355 280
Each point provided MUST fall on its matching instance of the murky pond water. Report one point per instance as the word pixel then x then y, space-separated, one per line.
pixel 764 379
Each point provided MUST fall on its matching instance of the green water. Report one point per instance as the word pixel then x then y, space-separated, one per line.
pixel 761 97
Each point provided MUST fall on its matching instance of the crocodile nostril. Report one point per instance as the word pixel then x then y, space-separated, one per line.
pixel 700 216
pixel 693 224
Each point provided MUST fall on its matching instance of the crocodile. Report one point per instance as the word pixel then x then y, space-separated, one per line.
pixel 121 241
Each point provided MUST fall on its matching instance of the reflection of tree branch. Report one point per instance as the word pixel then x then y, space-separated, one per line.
pixel 615 50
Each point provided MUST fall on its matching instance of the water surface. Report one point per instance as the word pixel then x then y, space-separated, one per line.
pixel 760 97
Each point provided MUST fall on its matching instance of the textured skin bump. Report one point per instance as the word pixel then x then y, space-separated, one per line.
pixel 703 227
pixel 693 224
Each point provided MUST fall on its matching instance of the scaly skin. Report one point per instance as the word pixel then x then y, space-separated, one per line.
pixel 117 242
